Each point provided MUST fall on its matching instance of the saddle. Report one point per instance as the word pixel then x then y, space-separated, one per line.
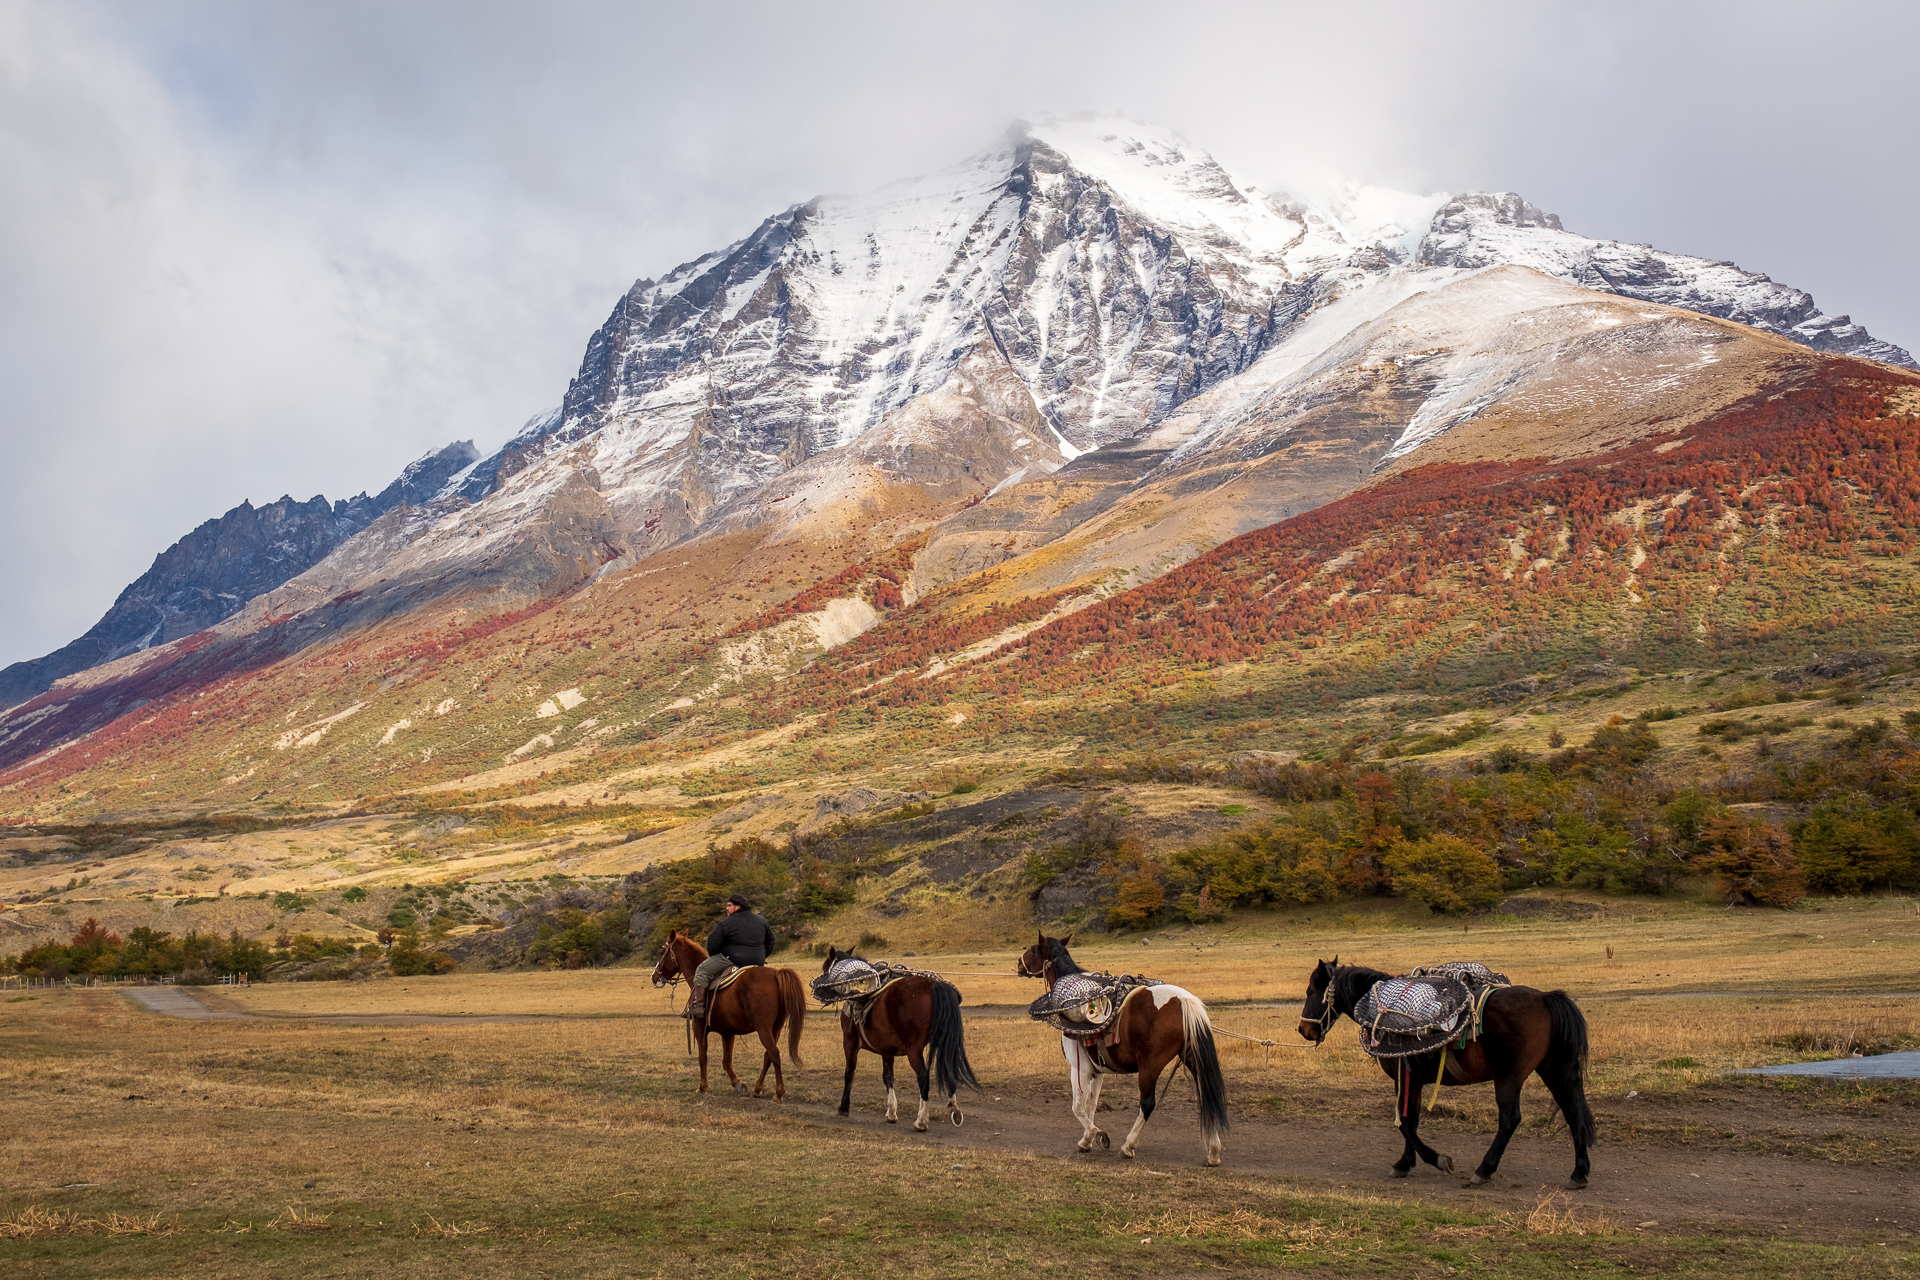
pixel 855 984
pixel 726 979
pixel 1432 1006
pixel 1086 1005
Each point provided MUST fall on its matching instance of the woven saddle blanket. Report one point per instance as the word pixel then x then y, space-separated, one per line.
pixel 1425 1009
pixel 1085 1005
pixel 727 979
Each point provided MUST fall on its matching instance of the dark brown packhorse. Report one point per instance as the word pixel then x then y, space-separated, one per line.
pixel 760 1001
pixel 1523 1031
pixel 1157 1025
pixel 918 1016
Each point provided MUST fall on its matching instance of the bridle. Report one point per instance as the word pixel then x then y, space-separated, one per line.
pixel 1329 1014
pixel 1044 972
pixel 674 981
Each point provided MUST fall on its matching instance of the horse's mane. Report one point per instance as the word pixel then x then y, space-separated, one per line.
pixel 1351 981
pixel 1062 962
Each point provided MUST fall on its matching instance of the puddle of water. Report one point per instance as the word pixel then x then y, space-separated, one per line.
pixel 1885 1066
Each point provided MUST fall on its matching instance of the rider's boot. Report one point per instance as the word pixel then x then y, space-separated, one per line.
pixel 697 1001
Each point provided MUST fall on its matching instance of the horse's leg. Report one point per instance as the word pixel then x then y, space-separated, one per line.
pixel 702 1034
pixel 726 1061
pixel 1409 1075
pixel 770 1042
pixel 917 1059
pixel 1406 1113
pixel 850 1044
pixel 886 1078
pixel 1149 1080
pixel 1506 1090
pixel 1571 1098
pixel 1083 1084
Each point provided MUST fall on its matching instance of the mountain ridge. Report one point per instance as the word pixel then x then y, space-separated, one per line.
pixel 1044 377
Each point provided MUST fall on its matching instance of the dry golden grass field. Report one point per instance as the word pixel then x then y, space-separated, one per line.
pixel 546 1124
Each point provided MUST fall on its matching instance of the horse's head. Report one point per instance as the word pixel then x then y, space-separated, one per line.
pixel 667 968
pixel 834 956
pixel 1317 1011
pixel 1044 959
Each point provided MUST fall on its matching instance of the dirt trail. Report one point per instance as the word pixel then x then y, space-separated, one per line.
pixel 1677 1184
pixel 1675 1188
pixel 181 1002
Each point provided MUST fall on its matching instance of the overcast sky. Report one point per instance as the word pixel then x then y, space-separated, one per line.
pixel 253 249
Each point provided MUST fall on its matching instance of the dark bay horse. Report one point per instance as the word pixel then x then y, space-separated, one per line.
pixel 1524 1031
pixel 918 1016
pixel 760 1001
pixel 1156 1026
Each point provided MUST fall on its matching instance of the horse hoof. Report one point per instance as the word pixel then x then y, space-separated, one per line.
pixel 1125 1154
pixel 1576 1184
pixel 1398 1172
pixel 893 1119
pixel 1444 1164
pixel 742 1090
pixel 1213 1162
pixel 1106 1143
pixel 919 1128
pixel 957 1119
pixel 844 1112
pixel 1478 1180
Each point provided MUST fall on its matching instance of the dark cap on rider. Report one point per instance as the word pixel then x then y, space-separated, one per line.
pixel 739 900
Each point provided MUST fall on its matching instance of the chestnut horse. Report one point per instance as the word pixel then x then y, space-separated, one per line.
pixel 1523 1031
pixel 1156 1026
pixel 918 1016
pixel 759 1002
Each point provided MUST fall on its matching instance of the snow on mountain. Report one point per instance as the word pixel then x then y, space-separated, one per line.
pixel 1482 230
pixel 1104 272
pixel 1117 269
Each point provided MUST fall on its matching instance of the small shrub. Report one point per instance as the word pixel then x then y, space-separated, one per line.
pixel 1445 872
pixel 1751 863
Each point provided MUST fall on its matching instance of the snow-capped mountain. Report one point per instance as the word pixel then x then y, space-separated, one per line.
pixel 1090 336
pixel 1116 269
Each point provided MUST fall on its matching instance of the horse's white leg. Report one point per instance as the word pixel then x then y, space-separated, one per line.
pixel 1094 1131
pixel 1079 1071
pixel 893 1099
pixel 1132 1143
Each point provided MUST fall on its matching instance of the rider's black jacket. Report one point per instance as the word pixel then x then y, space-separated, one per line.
pixel 742 937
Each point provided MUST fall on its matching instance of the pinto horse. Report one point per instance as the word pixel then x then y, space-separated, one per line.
pixel 1156 1026
pixel 918 1016
pixel 1523 1031
pixel 760 1001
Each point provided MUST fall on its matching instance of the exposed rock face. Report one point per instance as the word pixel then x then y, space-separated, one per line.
pixel 1092 331
pixel 1484 230
pixel 1113 271
pixel 207 576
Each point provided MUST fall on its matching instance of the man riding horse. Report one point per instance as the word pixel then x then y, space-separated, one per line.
pixel 742 938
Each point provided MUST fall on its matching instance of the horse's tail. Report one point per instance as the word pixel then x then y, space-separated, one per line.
pixel 947 1041
pixel 1203 1064
pixel 793 997
pixel 1565 1068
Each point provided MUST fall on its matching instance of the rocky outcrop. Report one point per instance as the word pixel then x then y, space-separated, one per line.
pixel 1482 229
pixel 207 576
